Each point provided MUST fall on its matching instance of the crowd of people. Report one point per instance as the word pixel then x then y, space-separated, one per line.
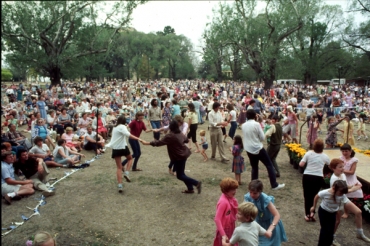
pixel 67 119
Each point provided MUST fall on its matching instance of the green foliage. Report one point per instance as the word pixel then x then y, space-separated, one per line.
pixel 52 36
pixel 6 74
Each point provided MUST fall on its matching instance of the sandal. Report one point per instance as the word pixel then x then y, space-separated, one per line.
pixel 137 169
pixel 312 217
pixel 188 191
pixel 307 218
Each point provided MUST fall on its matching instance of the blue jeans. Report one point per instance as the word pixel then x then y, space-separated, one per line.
pixel 180 174
pixel 136 152
pixel 265 159
pixel 172 165
pixel 232 130
pixel 156 125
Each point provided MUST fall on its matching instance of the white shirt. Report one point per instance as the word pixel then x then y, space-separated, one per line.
pixel 37 150
pixel 247 234
pixel 119 137
pixel 252 137
pixel 335 178
pixel 328 203
pixel 315 163
pixel 233 115
pixel 214 118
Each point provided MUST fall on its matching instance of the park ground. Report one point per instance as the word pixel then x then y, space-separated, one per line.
pixel 88 210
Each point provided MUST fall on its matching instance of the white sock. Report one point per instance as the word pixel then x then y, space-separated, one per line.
pixel 12 194
pixel 360 231
pixel 127 173
pixel 119 185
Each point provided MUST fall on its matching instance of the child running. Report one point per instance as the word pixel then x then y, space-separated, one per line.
pixel 204 144
pixel 238 160
pixel 268 217
pixel 331 200
pixel 337 166
pixel 247 233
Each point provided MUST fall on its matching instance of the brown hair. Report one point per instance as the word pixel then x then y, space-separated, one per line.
pixel 138 114
pixel 255 185
pixel 334 163
pixel 228 184
pixel 318 145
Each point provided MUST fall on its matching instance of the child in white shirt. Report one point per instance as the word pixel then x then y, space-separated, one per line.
pixel 247 233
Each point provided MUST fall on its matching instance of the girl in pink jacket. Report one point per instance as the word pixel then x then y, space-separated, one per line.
pixel 226 210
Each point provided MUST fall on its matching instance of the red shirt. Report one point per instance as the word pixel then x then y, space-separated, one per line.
pixel 136 127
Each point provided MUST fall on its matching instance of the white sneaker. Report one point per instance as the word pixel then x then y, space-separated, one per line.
pixel 359 138
pixel 280 186
pixel 363 237
pixel 366 138
pixel 335 243
pixel 48 193
pixel 47 184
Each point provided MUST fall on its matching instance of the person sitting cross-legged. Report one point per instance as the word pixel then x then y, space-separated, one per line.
pixel 12 189
pixel 34 169
pixel 41 150
pixel 90 142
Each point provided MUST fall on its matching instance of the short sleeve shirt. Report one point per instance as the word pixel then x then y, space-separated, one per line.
pixel 7 171
pixel 315 163
pixel 37 150
pixel 247 234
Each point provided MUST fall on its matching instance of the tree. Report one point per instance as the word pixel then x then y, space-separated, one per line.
pixel 359 36
pixel 48 33
pixel 6 75
pixel 308 42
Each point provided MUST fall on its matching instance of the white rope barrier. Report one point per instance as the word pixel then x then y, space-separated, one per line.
pixel 42 200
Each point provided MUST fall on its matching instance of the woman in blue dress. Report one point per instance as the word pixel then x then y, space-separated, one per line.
pixel 40 104
pixel 268 217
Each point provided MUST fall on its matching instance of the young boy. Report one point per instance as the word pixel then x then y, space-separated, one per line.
pixel 247 233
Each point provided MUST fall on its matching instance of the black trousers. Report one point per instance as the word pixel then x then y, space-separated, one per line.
pixel 311 186
pixel 327 223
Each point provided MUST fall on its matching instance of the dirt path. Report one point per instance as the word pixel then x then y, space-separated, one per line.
pixel 88 210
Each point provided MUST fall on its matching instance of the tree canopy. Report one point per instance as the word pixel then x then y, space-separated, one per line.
pixel 52 36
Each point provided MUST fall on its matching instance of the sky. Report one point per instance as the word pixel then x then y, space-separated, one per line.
pixel 186 17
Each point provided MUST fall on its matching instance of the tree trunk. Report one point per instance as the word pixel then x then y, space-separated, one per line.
pixel 218 65
pixel 54 73
pixel 307 77
pixel 174 72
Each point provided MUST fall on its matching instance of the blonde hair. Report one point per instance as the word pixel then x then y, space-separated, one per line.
pixel 248 209
pixel 202 133
pixel 69 129
pixel 43 237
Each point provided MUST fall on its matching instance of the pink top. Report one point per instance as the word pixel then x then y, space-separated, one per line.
pixel 68 138
pixel 291 118
pixel 226 211
pixel 352 178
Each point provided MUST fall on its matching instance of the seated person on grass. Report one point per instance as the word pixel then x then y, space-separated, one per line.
pixel 41 150
pixel 35 170
pixel 12 189
pixel 18 137
pixel 90 142
pixel 62 154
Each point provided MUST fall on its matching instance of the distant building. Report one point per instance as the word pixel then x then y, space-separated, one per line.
pixel 360 81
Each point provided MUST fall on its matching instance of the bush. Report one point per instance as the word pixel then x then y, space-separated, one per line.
pixel 6 75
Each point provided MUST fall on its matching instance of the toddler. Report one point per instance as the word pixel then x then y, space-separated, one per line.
pixel 249 230
pixel 42 239
pixel 204 144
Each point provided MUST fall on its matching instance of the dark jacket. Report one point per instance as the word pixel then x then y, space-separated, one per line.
pixel 176 148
